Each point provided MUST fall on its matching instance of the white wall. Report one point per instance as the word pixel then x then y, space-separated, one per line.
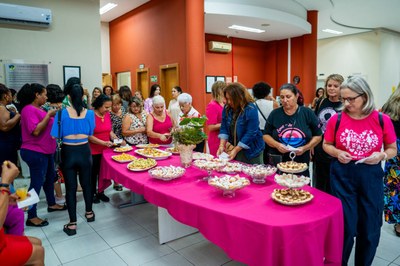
pixel 105 47
pixel 375 55
pixel 72 39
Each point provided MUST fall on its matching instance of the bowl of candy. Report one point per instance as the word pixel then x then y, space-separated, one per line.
pixel 228 184
pixel 259 172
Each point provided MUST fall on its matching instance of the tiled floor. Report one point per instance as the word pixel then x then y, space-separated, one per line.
pixel 129 237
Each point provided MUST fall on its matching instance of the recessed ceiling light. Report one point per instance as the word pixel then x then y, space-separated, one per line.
pixel 107 8
pixel 236 27
pixel 332 31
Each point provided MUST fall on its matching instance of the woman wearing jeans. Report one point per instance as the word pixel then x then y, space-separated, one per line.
pixel 355 141
pixel 77 124
pixel 38 147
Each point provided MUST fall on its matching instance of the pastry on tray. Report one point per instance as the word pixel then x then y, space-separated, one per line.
pixel 291 196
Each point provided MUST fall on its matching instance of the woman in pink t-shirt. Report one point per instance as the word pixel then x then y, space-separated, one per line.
pixel 159 123
pixel 355 141
pixel 100 141
pixel 214 115
pixel 38 147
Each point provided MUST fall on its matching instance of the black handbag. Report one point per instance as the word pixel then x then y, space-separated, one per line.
pixel 57 155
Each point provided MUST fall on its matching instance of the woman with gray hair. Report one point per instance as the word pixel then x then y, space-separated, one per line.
pixel 187 110
pixel 134 123
pixel 159 123
pixel 354 138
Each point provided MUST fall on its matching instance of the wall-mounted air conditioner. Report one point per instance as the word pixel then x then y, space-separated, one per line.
pixel 26 15
pixel 219 47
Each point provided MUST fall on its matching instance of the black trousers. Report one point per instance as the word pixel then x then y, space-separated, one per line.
pixel 95 172
pixel 77 159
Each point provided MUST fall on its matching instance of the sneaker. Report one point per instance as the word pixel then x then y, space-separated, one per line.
pixel 60 200
pixel 103 197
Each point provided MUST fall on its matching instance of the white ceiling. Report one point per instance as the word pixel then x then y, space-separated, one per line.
pixel 286 18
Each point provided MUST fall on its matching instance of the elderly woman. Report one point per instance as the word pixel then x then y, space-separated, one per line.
pixel 239 126
pixel 291 128
pixel 173 106
pixel 155 90
pixel 187 110
pixel 214 115
pixel 355 139
pixel 38 147
pixel 134 123
pixel 159 123
pixel 325 109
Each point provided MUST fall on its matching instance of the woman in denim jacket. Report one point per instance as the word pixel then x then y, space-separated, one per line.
pixel 239 127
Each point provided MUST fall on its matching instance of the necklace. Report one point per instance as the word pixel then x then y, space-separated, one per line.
pixel 101 116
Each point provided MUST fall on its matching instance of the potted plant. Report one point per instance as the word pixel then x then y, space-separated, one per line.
pixel 187 135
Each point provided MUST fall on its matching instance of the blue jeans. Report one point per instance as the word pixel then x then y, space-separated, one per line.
pixel 42 172
pixel 360 189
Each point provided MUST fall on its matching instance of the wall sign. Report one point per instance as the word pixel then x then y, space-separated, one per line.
pixel 19 74
pixel 71 72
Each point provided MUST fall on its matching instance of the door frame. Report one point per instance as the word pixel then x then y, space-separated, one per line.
pixel 142 70
pixel 162 81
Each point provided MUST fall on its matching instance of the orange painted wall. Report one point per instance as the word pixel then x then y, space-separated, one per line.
pixel 153 35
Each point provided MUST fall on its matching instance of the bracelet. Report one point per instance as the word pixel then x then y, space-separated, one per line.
pixel 4 185
pixel 385 156
pixel 5 191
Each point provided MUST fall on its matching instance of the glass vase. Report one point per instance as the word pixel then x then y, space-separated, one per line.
pixel 186 154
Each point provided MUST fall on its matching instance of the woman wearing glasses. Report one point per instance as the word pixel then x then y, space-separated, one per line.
pixel 291 128
pixel 355 141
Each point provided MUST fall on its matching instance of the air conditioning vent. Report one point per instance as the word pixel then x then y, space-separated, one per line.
pixel 25 15
pixel 219 47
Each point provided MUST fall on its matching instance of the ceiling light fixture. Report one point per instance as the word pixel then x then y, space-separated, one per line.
pixel 236 27
pixel 107 8
pixel 332 31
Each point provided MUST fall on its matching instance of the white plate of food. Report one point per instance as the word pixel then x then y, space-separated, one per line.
pixel 291 196
pixel 141 164
pixel 123 148
pixel 231 168
pixel 150 145
pixel 292 167
pixel 153 153
pixel 167 173
pixel 173 150
pixel 123 158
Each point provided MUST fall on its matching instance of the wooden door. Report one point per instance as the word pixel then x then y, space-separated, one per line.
pixel 169 78
pixel 142 82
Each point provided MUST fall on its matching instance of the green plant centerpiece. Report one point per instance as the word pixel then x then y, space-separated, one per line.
pixel 187 135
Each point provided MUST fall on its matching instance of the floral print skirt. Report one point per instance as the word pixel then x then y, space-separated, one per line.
pixel 391 188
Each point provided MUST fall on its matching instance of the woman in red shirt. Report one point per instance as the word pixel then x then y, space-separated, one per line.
pixel 159 123
pixel 100 140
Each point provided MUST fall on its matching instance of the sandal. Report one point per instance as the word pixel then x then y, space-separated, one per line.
pixel 70 231
pixel 118 187
pixel 90 216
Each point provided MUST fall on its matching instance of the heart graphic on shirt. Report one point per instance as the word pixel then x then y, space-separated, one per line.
pixel 359 144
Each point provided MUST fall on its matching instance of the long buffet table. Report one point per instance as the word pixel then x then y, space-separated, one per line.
pixel 251 227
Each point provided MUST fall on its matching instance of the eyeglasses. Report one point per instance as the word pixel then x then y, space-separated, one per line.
pixel 351 99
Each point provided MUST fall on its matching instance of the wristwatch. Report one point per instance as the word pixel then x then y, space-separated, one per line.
pixel 4 185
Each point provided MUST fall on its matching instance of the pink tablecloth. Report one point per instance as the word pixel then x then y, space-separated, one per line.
pixel 250 228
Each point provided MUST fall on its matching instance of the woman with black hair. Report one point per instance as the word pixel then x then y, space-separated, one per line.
pixel 100 141
pixel 38 147
pixel 10 131
pixel 291 127
pixel 148 103
pixel 77 125
pixel 125 94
